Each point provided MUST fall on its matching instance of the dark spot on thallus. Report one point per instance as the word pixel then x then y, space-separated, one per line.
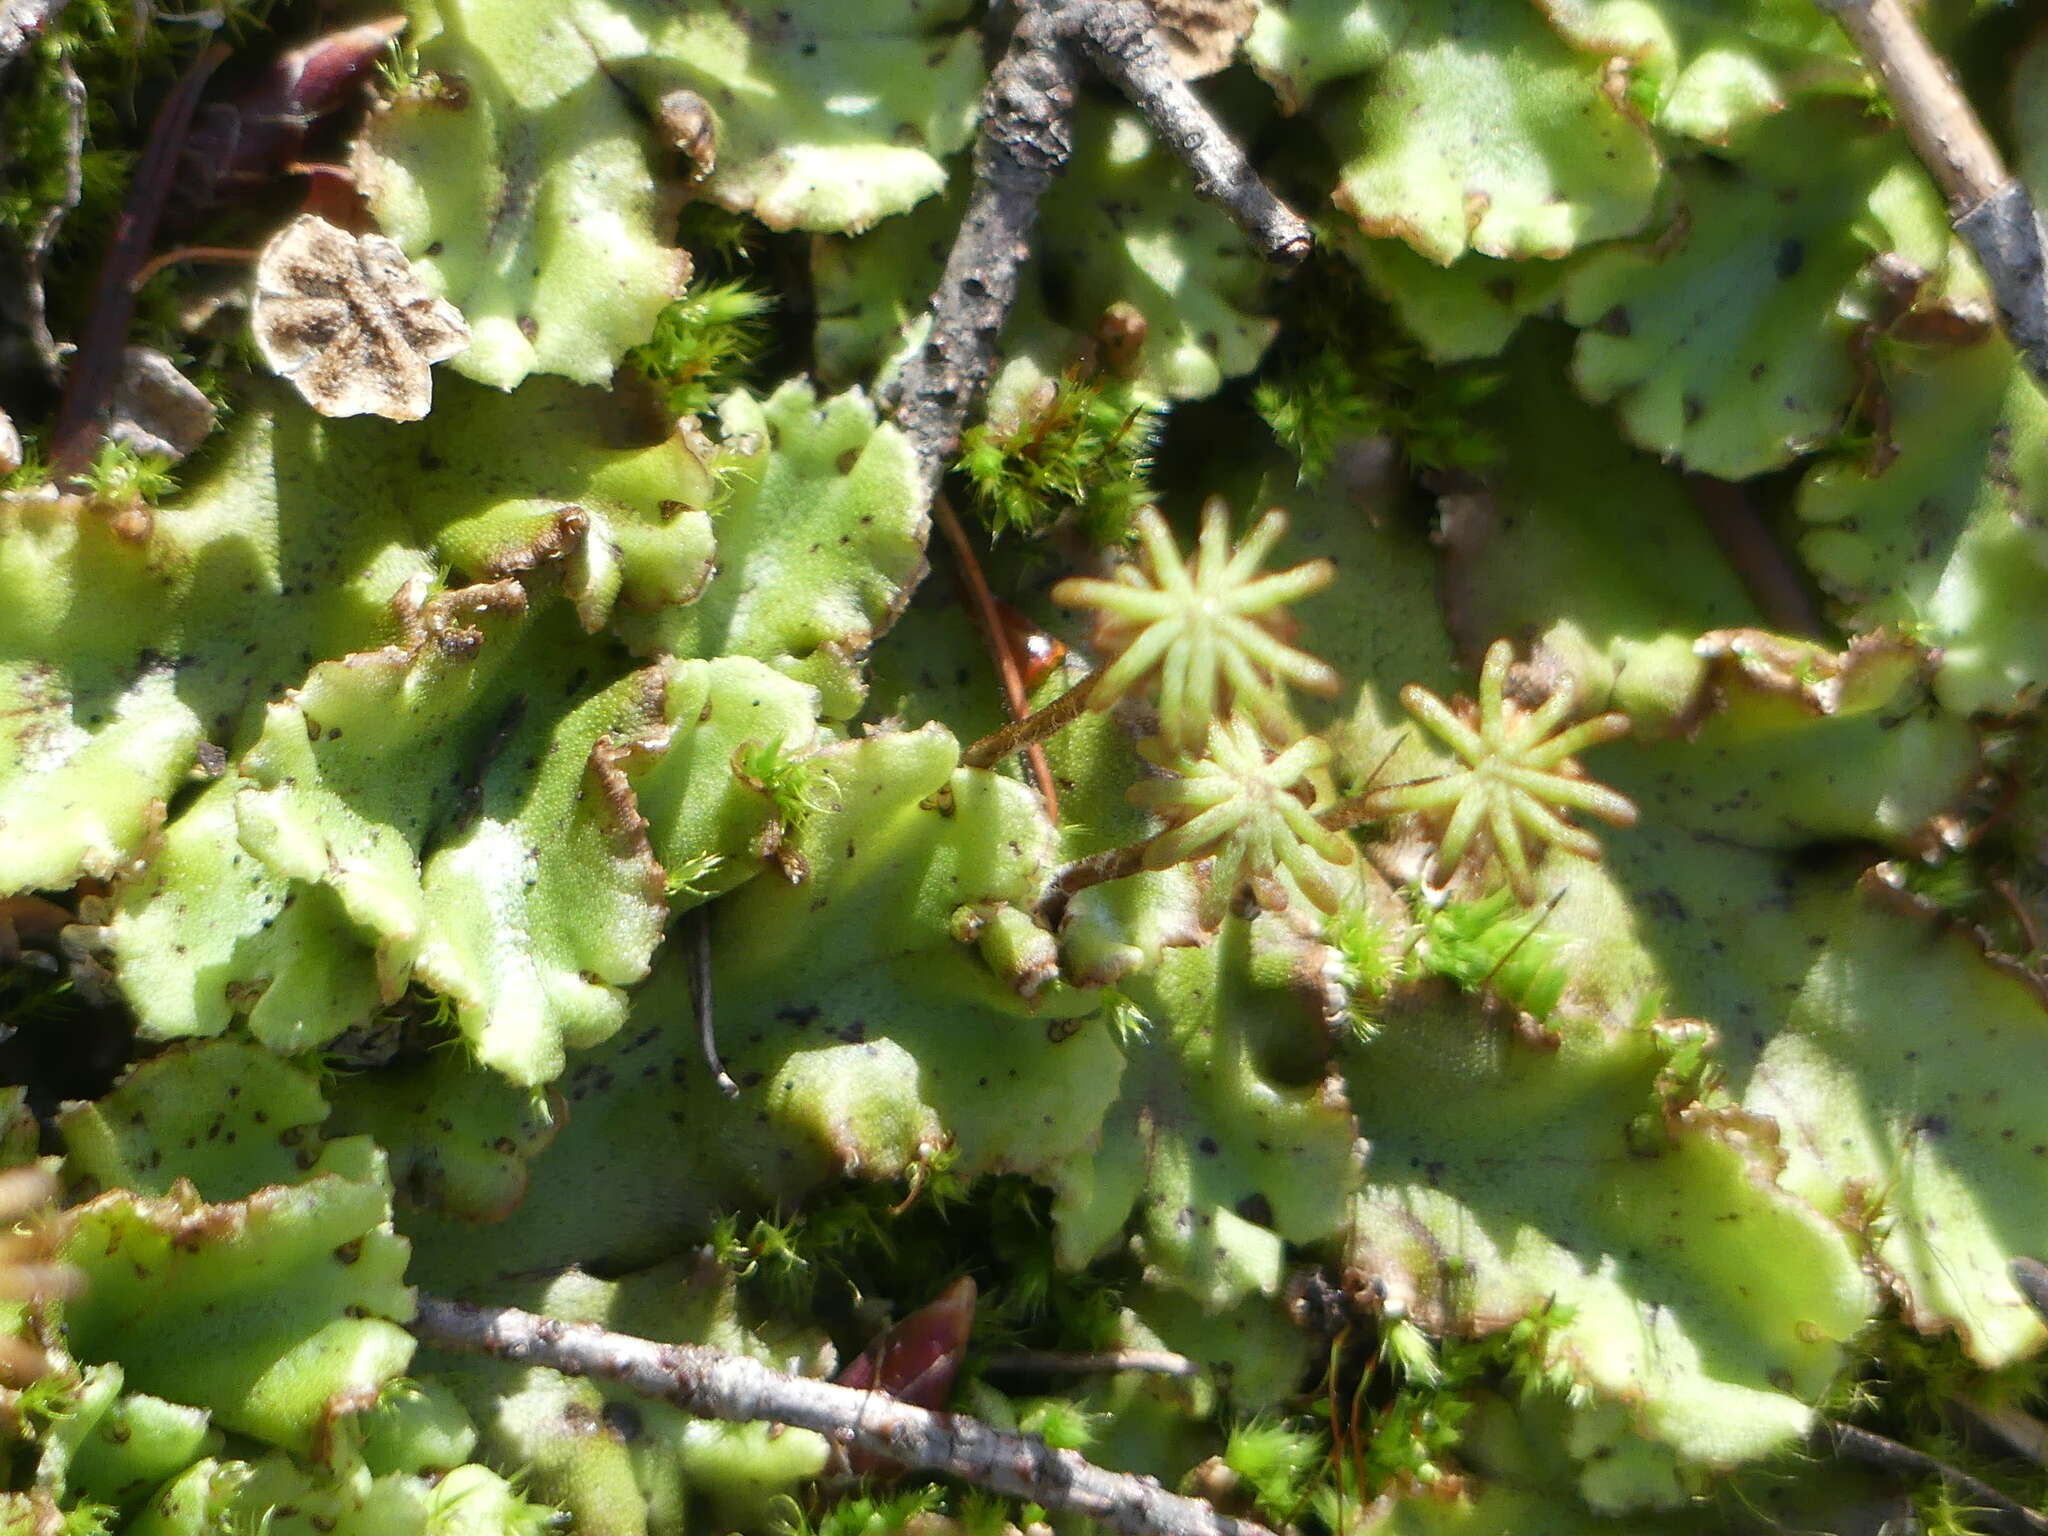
pixel 1791 257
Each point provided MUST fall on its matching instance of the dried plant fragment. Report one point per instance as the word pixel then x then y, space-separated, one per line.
pixel 1518 774
pixel 28 1271
pixel 345 319
pixel 1201 36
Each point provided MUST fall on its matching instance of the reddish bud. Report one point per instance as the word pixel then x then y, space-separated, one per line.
pixel 916 1360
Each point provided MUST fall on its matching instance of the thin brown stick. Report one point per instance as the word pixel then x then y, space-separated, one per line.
pixel 998 638
pixel 1096 869
pixel 1989 207
pixel 1052 1362
pixel 1880 1451
pixel 716 1385
pixel 1944 131
pixel 97 364
pixel 1024 735
pixel 163 259
pixel 1766 569
pixel 1122 42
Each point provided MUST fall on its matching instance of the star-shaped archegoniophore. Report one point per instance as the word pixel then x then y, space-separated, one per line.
pixel 1209 629
pixel 1518 778
pixel 1241 808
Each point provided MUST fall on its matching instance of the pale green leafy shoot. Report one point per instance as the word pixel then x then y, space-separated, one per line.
pixel 1240 807
pixel 1517 775
pixel 798 783
pixel 1494 945
pixel 1207 629
pixel 1082 450
pixel 118 473
pixel 1275 1462
pixel 702 343
pixel 1331 399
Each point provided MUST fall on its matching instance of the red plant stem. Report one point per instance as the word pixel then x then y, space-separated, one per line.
pixel 163 259
pixel 984 602
pixel 97 364
pixel 1024 734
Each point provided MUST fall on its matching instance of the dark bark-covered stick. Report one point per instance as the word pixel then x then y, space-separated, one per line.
pixel 715 1385
pixel 1096 869
pixel 1026 139
pixel 1889 1455
pixel 1122 42
pixel 991 622
pixel 1988 205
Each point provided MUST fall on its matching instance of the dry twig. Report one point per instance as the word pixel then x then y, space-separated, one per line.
pixel 1122 42
pixel 1025 142
pixel 1873 1450
pixel 716 1385
pixel 1026 139
pixel 1773 578
pixel 1988 206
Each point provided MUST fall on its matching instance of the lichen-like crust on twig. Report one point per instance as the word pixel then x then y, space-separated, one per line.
pixel 716 1385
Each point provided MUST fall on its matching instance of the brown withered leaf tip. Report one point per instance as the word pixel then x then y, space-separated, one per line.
pixel 1201 36
pixel 345 318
